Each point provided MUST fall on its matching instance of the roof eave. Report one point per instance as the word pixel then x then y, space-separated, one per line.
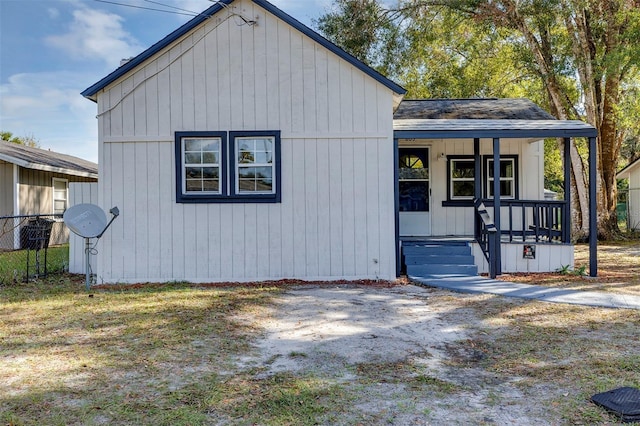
pixel 47 168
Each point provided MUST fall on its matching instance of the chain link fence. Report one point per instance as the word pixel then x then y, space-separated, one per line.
pixel 32 246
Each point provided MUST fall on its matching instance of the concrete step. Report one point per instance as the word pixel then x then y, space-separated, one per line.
pixel 437 249
pixel 440 269
pixel 454 259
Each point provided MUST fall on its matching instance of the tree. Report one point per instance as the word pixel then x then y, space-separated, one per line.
pixel 580 54
pixel 25 140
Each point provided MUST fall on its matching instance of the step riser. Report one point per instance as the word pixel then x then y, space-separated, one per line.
pixel 431 260
pixel 437 250
pixel 422 270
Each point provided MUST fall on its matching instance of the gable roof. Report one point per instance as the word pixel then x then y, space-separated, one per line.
pixel 482 118
pixel 91 91
pixel 41 159
pixel 626 171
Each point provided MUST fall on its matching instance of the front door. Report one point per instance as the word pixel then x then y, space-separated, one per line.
pixel 415 192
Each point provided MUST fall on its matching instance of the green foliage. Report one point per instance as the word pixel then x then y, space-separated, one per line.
pixel 24 140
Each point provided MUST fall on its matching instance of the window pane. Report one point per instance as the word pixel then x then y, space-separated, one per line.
pixel 210 172
pixel 506 189
pixel 255 179
pixel 211 145
pixel 412 166
pixel 255 151
pixel 194 185
pixel 193 158
pixel 59 206
pixel 211 185
pixel 462 169
pixel 210 157
pixel 506 168
pixel 60 185
pixel 193 145
pixel 414 173
pixel 414 196
pixel 463 189
pixel 193 172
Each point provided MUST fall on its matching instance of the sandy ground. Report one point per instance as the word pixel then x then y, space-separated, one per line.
pixel 332 332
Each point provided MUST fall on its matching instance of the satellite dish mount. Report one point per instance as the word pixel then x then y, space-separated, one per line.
pixel 88 221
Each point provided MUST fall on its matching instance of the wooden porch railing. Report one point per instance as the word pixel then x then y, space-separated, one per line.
pixel 486 236
pixel 540 221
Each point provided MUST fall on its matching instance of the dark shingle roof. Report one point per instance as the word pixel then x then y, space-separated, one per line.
pixel 470 109
pixel 41 159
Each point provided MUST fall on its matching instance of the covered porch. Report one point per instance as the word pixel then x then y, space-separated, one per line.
pixel 466 144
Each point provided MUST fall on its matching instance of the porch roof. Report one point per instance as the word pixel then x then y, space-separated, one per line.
pixel 482 118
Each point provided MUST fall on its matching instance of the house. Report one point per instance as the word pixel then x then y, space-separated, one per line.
pixel 244 146
pixel 35 181
pixel 632 173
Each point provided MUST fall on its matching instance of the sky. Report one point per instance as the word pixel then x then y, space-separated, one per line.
pixel 51 50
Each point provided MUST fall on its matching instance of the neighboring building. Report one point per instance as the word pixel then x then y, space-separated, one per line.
pixel 632 173
pixel 244 146
pixel 36 181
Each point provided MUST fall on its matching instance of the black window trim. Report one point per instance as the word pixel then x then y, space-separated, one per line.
pixel 227 168
pixel 485 175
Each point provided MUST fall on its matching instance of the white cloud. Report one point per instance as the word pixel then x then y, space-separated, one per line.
pixel 95 34
pixel 49 107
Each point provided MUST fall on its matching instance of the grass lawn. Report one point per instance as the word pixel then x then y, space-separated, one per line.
pixel 13 264
pixel 171 355
pixel 618 270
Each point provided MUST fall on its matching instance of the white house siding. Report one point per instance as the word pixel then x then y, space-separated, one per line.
pixel 336 218
pixel 81 193
pixel 548 257
pixel 459 220
pixel 634 198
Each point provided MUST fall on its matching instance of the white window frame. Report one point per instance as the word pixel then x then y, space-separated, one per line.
pixel 239 165
pixel 218 165
pixel 512 179
pixel 66 194
pixel 452 179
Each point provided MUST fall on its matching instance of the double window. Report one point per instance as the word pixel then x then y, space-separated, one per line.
pixel 461 177
pixel 240 167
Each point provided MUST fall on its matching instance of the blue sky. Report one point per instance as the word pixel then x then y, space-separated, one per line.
pixel 51 50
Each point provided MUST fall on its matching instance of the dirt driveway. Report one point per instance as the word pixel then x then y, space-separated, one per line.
pixel 405 354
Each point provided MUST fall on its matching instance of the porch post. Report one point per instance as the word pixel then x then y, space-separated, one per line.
pixel 496 205
pixel 566 220
pixel 396 198
pixel 593 210
pixel 477 182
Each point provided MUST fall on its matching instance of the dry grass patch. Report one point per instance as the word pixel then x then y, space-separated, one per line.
pixel 119 357
pixel 618 270
pixel 562 354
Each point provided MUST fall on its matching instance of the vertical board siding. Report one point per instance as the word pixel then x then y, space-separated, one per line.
pixel 81 193
pixel 6 188
pixel 335 219
pixel 459 220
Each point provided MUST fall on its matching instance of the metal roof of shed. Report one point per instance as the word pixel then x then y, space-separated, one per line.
pixel 41 159
pixel 482 118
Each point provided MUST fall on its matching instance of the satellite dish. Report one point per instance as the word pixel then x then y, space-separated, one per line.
pixel 85 220
pixel 88 221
